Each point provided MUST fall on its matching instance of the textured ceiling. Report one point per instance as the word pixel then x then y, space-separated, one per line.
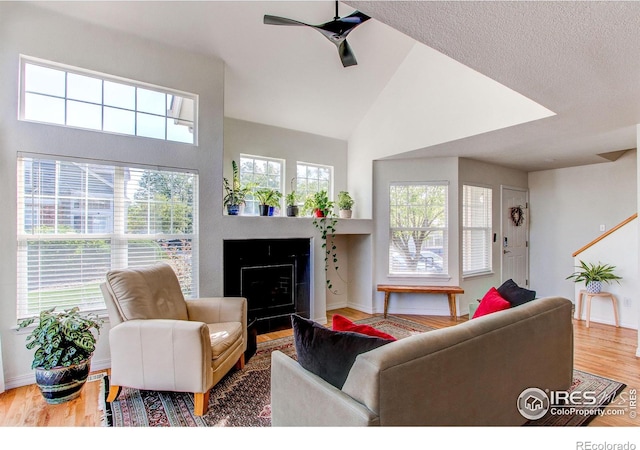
pixel 580 60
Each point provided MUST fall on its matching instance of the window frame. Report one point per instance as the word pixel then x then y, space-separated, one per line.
pixel 488 232
pixel 302 196
pixel 250 197
pixel 118 237
pixel 67 69
pixel 444 274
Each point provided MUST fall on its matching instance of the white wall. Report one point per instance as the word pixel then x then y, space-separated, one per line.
pixel 405 118
pixel 292 146
pixel 567 207
pixel 614 250
pixel 385 172
pixel 27 30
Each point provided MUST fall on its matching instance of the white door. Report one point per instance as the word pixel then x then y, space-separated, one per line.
pixel 515 235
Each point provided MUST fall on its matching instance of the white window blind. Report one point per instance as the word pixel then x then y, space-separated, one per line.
pixel 476 229
pixel 418 228
pixel 261 173
pixel 77 220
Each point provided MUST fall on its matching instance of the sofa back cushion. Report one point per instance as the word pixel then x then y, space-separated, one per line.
pixel 147 292
pixel 471 373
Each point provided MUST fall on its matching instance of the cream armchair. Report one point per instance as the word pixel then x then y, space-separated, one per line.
pixel 160 341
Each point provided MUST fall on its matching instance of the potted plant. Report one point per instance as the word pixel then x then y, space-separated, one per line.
pixel 593 275
pixel 291 201
pixel 345 202
pixel 235 193
pixel 319 205
pixel 268 199
pixel 64 343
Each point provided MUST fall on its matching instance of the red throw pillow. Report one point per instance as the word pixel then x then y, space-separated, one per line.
pixel 341 323
pixel 491 302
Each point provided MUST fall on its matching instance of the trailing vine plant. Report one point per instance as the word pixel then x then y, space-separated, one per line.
pixel 325 221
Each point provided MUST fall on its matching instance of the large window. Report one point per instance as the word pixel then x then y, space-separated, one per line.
pixel 260 173
pixel 476 230
pixel 77 220
pixel 312 178
pixel 73 97
pixel 418 229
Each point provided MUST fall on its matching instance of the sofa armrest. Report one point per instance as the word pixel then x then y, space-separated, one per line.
pixel 300 398
pixel 161 354
pixel 220 309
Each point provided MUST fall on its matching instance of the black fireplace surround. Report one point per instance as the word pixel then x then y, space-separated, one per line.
pixel 274 276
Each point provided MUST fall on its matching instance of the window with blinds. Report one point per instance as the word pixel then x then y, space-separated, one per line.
pixel 476 230
pixel 418 229
pixel 77 220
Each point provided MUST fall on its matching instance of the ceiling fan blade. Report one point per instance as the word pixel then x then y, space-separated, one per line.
pixel 355 17
pixel 275 20
pixel 346 54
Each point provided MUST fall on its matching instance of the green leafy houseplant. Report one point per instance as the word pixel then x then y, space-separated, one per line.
pixel 325 221
pixel 267 198
pixel 345 203
pixel 344 200
pixel 62 339
pixel 235 193
pixel 593 275
pixel 291 200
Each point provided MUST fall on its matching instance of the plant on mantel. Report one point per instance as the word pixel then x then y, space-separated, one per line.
pixel 235 193
pixel 324 219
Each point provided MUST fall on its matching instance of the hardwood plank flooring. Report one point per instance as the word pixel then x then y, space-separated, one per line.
pixel 601 349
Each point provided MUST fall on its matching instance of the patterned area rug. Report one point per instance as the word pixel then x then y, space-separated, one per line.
pixel 242 398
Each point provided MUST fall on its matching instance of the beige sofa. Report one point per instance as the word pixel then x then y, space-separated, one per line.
pixel 469 374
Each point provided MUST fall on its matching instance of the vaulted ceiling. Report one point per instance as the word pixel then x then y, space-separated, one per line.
pixel 580 60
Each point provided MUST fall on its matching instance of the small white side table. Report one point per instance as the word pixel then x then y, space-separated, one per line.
pixel 589 296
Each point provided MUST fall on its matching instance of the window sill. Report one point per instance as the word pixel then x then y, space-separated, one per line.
pixel 477 275
pixel 421 276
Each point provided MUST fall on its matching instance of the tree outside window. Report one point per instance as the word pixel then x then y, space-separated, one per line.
pixel 418 228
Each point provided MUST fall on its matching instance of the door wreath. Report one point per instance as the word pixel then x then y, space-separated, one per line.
pixel 517 215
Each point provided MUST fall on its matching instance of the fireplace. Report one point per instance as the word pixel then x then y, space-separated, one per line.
pixel 274 276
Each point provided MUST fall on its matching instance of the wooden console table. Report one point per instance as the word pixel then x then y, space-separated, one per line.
pixel 451 292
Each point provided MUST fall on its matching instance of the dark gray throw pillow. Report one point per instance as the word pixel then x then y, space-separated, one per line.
pixel 514 294
pixel 327 353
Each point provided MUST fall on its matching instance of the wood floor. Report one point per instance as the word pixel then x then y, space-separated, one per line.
pixel 601 349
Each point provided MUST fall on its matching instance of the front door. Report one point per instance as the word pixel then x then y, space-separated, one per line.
pixel 515 235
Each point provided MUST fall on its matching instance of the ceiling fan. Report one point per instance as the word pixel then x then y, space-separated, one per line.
pixel 335 31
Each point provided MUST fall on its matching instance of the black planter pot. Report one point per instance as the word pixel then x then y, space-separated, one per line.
pixel 61 384
pixel 264 210
pixel 292 211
